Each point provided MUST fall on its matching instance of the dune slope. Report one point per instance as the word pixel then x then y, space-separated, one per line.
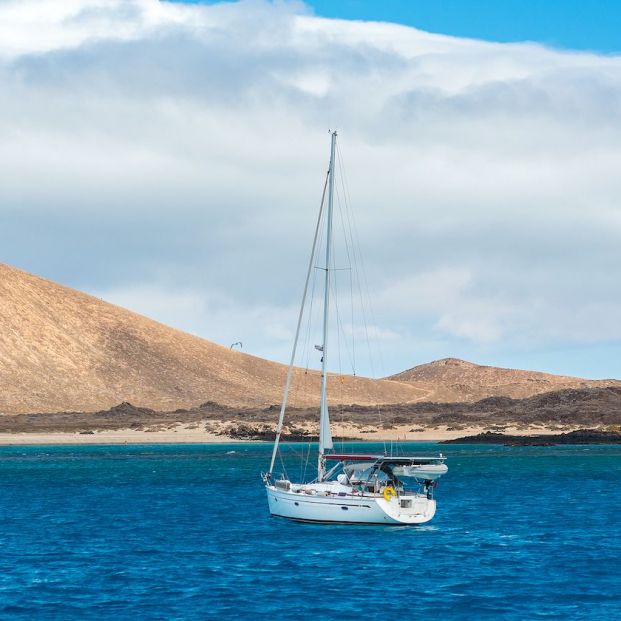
pixel 64 350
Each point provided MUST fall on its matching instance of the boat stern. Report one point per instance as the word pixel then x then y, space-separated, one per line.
pixel 412 509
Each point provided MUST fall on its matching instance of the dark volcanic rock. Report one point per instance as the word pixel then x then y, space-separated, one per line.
pixel 247 432
pixel 581 436
pixel 585 407
pixel 208 405
pixel 125 409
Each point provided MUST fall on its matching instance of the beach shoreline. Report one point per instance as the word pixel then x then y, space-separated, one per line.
pixel 182 434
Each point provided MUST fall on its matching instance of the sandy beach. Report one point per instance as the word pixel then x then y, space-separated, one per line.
pixel 182 434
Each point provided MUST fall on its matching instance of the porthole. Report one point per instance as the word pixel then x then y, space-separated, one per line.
pixel 345 508
pixel 297 504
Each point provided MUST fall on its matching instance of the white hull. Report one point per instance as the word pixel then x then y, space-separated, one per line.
pixel 350 508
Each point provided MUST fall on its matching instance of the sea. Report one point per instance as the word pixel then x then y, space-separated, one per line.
pixel 183 532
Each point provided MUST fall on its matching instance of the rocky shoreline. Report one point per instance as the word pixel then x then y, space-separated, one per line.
pixel 560 411
pixel 579 436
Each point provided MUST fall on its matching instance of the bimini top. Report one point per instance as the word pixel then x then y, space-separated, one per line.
pixel 341 457
pixel 385 459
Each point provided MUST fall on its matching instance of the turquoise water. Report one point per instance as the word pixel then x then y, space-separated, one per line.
pixel 183 532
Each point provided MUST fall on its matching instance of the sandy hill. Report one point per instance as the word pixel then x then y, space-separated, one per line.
pixel 64 350
pixel 454 380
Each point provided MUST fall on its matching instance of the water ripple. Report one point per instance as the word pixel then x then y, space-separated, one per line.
pixel 182 532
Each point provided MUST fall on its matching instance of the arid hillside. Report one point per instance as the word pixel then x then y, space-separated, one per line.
pixel 453 380
pixel 64 350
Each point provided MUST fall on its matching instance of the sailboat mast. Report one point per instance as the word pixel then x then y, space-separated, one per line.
pixel 325 435
pixel 311 262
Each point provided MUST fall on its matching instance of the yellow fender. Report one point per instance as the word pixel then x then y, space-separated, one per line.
pixel 389 492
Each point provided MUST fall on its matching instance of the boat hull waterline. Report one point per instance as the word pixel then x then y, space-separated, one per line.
pixel 350 508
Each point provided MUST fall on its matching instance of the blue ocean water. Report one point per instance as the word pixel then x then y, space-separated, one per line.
pixel 183 532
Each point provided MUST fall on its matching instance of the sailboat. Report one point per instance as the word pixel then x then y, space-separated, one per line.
pixel 348 488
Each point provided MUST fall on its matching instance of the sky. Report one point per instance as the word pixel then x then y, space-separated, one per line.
pixel 169 157
pixel 570 24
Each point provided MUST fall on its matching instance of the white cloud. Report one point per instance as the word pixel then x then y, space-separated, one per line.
pixel 213 315
pixel 150 147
